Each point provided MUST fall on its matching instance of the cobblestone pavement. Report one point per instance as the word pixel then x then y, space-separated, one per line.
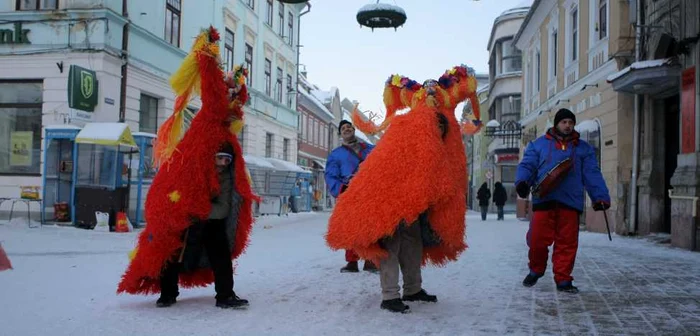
pixel 629 286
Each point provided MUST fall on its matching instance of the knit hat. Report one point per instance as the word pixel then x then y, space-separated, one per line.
pixel 564 114
pixel 343 122
pixel 225 150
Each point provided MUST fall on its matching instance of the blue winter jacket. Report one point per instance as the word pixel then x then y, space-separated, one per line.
pixel 546 152
pixel 342 164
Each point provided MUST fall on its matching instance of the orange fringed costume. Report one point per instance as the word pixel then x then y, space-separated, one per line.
pixel 412 170
pixel 187 177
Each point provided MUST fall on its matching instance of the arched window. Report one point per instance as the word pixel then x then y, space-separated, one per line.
pixel 590 132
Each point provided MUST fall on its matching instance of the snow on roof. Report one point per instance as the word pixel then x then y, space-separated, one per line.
pixel 381 6
pixel 257 161
pixel 323 96
pixel 316 102
pixel 144 134
pixel 106 133
pixel 639 65
pixel 285 165
pixel 587 126
pixel 61 127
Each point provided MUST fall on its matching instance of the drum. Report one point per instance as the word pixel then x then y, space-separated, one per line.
pixel 552 178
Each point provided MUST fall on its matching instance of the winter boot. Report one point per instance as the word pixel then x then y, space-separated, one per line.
pixel 567 287
pixel 165 301
pixel 531 279
pixel 232 302
pixel 395 306
pixel 420 296
pixel 370 267
pixel 351 267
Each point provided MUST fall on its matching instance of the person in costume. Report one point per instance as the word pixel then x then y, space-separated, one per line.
pixel 406 206
pixel 342 163
pixel 197 211
pixel 558 165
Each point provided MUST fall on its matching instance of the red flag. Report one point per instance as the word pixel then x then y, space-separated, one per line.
pixel 5 263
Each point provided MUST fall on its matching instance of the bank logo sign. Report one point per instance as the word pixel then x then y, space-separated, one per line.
pixel 82 89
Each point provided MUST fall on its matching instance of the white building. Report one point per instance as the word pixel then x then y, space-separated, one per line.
pixel 40 41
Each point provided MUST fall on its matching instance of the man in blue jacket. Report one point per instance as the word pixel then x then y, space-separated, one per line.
pixel 556 215
pixel 341 165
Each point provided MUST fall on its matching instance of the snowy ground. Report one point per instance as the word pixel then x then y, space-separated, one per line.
pixel 65 279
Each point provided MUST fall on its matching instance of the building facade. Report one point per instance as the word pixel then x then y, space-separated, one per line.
pixel 569 48
pixel 477 145
pixel 314 138
pixel 504 104
pixel 132 48
pixel 664 79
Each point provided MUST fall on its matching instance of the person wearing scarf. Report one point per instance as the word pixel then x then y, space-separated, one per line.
pixel 556 214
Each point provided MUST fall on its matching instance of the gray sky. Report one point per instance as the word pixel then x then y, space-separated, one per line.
pixel 437 35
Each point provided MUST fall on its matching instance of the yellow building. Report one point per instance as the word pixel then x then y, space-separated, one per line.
pixel 569 49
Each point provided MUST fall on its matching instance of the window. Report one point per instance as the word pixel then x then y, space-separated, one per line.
pixel 278 84
pixel 251 4
pixel 553 37
pixel 290 95
pixel 36 4
pixel 241 137
pixel 537 72
pixel 511 60
pixel 304 127
pixel 20 127
pixel 172 22
pixel 574 34
pixel 280 18
pixel 290 28
pixel 228 49
pixel 249 63
pixel 325 136
pixel 508 174
pixel 268 144
pixel 285 149
pixel 148 114
pixel 268 17
pixel 510 108
pixel 314 133
pixel 268 77
pixel 602 19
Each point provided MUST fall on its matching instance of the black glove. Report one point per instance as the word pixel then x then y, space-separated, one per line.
pixel 522 189
pixel 601 206
pixel 343 187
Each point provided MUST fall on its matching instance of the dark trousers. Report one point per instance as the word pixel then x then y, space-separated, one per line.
pixel 500 212
pixel 484 211
pixel 215 243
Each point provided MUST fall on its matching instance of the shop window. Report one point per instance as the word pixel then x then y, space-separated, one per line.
pixel 20 127
pixel 37 4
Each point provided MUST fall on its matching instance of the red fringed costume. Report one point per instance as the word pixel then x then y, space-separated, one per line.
pixel 412 170
pixel 187 177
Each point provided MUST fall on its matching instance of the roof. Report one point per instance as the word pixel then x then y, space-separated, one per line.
pixel 513 13
pixel 107 134
pixel 638 66
pixel 533 8
pixel 317 102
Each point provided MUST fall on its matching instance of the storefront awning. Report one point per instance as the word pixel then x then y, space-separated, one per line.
pixel 107 134
pixel 256 162
pixel 657 78
pixel 320 164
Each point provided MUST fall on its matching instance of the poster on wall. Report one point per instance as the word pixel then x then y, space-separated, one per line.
pixel 21 148
pixel 688 110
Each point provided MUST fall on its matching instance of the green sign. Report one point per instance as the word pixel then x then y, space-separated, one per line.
pixel 16 36
pixel 82 89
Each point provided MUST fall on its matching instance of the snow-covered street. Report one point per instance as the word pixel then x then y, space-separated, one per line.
pixel 64 282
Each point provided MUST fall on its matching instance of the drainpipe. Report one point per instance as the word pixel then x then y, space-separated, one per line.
pixel 308 9
pixel 635 133
pixel 124 59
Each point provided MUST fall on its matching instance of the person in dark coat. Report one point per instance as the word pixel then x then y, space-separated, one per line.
pixel 500 196
pixel 484 195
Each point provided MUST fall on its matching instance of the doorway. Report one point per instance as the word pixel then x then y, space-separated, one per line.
pixel 59 172
pixel 671 151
